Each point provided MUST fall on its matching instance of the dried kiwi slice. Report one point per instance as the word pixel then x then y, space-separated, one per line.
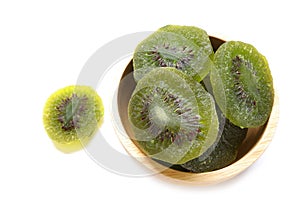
pixel 186 48
pixel 223 154
pixel 172 117
pixel 72 113
pixel 242 84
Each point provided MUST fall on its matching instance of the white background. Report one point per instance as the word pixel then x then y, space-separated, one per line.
pixel 43 47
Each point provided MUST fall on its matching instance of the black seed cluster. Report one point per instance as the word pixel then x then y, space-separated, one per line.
pixel 179 136
pixel 239 90
pixel 78 105
pixel 146 101
pixel 188 119
pixel 183 55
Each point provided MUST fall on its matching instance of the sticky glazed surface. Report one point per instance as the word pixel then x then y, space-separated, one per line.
pixel 242 84
pixel 173 118
pixel 185 48
pixel 72 114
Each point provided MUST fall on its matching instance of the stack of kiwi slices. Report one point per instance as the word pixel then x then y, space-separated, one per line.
pixel 192 106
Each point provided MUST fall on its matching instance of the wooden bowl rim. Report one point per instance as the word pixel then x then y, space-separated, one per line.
pixel 216 176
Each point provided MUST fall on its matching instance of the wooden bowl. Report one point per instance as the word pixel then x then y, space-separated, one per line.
pixel 253 146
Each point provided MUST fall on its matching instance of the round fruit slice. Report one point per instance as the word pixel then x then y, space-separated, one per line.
pixel 173 118
pixel 186 48
pixel 242 84
pixel 72 113
pixel 221 155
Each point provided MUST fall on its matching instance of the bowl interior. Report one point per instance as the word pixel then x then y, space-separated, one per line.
pixel 126 87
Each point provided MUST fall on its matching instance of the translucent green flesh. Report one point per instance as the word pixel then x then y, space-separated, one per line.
pixel 246 99
pixel 177 138
pixel 223 154
pixel 174 46
pixel 57 122
pixel 196 35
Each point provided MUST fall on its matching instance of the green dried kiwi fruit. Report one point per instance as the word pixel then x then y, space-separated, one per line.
pixel 221 155
pixel 172 117
pixel 72 114
pixel 186 48
pixel 242 84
